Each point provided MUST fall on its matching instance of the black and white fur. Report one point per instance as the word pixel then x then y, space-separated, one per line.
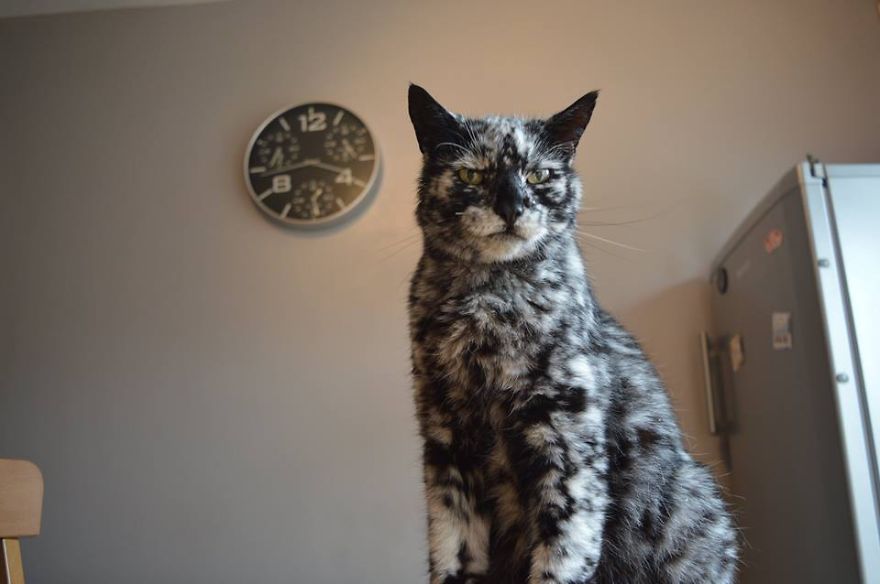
pixel 551 452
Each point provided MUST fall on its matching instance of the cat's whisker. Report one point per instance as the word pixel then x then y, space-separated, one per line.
pixel 453 145
pixel 605 208
pixel 398 251
pixel 611 241
pixel 609 252
pixel 664 211
pixel 625 221
pixel 407 239
pixel 557 148
pixel 471 133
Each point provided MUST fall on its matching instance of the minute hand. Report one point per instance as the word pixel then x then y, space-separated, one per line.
pixel 297 166
pixel 337 170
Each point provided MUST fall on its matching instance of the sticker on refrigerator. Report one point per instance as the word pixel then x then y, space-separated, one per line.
pixel 735 348
pixel 781 330
pixel 773 240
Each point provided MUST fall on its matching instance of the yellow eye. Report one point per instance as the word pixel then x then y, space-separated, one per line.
pixel 470 176
pixel 537 177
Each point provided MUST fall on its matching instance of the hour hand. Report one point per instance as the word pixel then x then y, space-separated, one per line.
pixel 316 209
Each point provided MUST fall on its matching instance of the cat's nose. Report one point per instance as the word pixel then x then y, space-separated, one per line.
pixel 510 209
pixel 510 202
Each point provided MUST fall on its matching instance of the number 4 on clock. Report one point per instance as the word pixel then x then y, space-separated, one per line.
pixel 344 177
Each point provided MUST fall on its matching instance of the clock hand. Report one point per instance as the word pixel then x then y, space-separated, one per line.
pixel 298 165
pixel 316 210
pixel 337 170
pixel 349 148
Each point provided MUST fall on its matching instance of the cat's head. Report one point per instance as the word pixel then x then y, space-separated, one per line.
pixel 496 189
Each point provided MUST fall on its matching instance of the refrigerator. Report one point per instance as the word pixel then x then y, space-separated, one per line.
pixel 792 374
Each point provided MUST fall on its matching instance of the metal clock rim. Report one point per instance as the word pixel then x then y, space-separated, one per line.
pixel 325 221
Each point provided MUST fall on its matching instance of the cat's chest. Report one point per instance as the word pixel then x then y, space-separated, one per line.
pixel 492 337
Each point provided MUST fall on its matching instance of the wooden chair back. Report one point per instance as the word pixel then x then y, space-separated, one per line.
pixel 21 507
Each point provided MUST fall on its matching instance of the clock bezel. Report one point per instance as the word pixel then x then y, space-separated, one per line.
pixel 359 203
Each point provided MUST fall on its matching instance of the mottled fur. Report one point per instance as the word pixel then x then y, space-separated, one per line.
pixel 551 452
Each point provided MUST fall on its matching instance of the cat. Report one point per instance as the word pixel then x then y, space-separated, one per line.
pixel 551 452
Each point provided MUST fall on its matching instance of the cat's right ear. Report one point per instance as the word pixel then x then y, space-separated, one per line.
pixel 433 124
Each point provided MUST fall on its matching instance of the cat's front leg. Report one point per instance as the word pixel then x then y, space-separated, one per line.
pixel 560 459
pixel 458 534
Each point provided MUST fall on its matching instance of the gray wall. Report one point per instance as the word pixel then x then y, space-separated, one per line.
pixel 215 399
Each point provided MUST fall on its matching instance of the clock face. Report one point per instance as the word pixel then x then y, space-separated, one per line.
pixel 311 165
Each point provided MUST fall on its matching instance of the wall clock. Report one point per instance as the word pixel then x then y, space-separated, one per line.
pixel 311 165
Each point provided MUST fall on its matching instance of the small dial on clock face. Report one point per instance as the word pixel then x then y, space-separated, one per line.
pixel 311 164
pixel 346 142
pixel 277 149
pixel 314 199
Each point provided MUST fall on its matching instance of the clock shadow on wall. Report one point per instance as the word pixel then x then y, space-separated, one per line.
pixel 313 167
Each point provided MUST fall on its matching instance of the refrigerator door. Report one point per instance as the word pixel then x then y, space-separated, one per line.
pixel 840 202
pixel 788 474
pixel 854 194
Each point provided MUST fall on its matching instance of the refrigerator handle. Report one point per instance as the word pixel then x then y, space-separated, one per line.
pixel 708 382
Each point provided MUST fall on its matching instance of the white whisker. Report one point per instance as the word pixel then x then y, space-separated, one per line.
pixel 405 240
pixel 454 145
pixel 612 242
pixel 409 245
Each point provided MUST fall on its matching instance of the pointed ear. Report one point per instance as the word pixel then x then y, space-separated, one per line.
pixel 433 124
pixel 566 127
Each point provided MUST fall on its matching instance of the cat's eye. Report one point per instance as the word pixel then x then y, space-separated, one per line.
pixel 538 176
pixel 470 176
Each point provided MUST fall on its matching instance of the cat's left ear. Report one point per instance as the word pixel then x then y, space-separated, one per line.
pixel 566 127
